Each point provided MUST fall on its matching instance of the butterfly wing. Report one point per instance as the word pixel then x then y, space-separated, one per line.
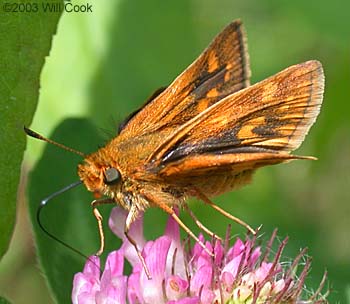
pixel 125 122
pixel 256 126
pixel 223 68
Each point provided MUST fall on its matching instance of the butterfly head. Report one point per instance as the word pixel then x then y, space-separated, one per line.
pixel 100 176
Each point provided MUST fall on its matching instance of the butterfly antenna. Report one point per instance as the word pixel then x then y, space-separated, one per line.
pixel 31 133
pixel 42 227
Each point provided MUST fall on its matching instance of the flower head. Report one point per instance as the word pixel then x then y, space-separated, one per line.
pixel 189 275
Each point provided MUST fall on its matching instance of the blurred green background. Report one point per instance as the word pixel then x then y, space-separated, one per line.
pixel 104 64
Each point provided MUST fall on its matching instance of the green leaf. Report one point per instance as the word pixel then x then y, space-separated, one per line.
pixel 68 216
pixel 25 40
pixel 4 301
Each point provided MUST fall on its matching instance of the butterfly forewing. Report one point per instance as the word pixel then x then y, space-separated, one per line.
pixel 262 122
pixel 222 69
pixel 125 122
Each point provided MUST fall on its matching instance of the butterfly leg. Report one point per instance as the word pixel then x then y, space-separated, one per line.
pixel 173 214
pixel 129 219
pixel 99 219
pixel 198 223
pixel 206 200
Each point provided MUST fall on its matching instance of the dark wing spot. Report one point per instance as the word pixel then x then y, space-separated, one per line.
pixel 226 141
pixel 265 131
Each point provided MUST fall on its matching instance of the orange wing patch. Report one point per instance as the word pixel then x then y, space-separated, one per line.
pixel 222 69
pixel 213 61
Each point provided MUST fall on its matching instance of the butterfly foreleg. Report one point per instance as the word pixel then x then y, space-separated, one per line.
pixel 99 219
pixel 133 212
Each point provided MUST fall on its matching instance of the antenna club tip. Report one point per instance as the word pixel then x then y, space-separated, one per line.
pixel 31 133
pixel 27 130
pixel 50 141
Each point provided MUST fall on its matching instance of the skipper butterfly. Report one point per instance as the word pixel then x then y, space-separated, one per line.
pixel 205 134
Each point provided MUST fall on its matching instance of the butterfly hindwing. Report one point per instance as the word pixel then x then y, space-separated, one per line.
pixel 268 118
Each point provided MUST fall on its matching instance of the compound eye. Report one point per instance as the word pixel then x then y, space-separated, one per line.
pixel 112 176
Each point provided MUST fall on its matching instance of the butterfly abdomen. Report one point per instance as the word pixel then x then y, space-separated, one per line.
pixel 216 184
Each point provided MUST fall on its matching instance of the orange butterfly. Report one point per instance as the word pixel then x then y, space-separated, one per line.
pixel 205 134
